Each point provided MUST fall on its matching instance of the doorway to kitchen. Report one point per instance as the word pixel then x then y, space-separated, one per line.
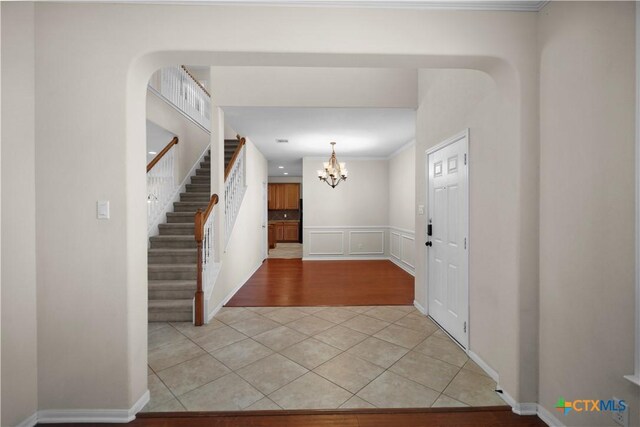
pixel 285 217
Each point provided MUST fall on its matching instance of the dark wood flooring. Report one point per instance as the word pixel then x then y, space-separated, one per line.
pixel 293 282
pixel 459 417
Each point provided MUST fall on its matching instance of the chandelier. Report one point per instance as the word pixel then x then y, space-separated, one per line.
pixel 333 172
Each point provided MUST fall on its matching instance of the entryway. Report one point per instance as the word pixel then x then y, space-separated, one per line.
pixel 447 235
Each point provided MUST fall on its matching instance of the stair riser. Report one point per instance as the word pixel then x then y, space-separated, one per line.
pixel 201 180
pixel 173 244
pixel 175 231
pixel 194 197
pixel 203 172
pixel 206 165
pixel 168 295
pixel 175 316
pixel 172 275
pixel 172 259
pixel 199 188
pixel 179 219
pixel 190 209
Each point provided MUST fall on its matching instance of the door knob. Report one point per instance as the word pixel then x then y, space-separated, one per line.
pixel 428 244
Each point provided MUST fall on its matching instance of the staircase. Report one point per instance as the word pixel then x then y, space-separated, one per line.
pixel 173 253
pixel 230 146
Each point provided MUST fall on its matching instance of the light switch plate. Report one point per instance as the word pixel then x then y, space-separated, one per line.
pixel 420 209
pixel 103 209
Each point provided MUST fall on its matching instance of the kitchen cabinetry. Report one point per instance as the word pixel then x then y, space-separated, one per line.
pixel 284 196
pixel 272 236
pixel 286 231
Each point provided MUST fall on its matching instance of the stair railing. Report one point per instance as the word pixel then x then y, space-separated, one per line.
pixel 180 88
pixel 234 186
pixel 204 235
pixel 161 181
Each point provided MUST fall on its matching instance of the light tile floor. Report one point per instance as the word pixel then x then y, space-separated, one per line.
pixel 311 358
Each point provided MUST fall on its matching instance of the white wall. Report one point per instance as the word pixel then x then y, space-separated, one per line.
pixel 335 218
pixel 402 207
pixel 192 139
pixel 451 101
pixel 157 138
pixel 19 329
pixel 315 87
pixel 246 248
pixel 102 278
pixel 587 266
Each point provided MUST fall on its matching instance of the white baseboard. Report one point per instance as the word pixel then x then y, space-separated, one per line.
pixel 29 422
pixel 233 291
pixel 344 258
pixel 485 367
pixel 50 416
pixel 548 418
pixel 419 307
pixel 516 407
pixel 402 265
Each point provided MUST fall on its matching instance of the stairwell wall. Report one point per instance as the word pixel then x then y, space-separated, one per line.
pixel 19 328
pixel 246 247
pixel 192 138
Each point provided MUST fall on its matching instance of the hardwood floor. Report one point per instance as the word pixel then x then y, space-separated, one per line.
pixel 459 417
pixel 293 282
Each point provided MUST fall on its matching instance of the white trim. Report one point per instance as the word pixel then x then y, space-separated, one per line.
pixel 153 230
pixel 351 252
pixel 29 422
pixel 516 407
pixel 548 418
pixel 399 254
pixel 508 6
pixel 412 238
pixel 175 107
pixel 401 230
pixel 419 307
pixel 344 258
pixel 484 365
pixel 50 416
pixel 341 233
pixel 636 377
pixel 233 292
pixel 403 266
pixel 401 149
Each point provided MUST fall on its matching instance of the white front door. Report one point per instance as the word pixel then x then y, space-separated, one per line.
pixel 447 192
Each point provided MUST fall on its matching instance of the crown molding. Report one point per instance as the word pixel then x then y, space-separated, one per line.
pixel 477 5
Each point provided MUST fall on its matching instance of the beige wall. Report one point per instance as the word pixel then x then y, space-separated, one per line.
pixel 192 138
pixel 402 188
pixel 315 87
pixel 587 104
pixel 247 246
pixel 19 331
pixel 450 102
pixel 102 279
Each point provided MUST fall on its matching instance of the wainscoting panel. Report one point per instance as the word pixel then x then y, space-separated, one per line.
pixel 326 242
pixel 402 248
pixel 366 242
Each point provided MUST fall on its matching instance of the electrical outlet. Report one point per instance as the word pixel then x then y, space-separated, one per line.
pixel 620 417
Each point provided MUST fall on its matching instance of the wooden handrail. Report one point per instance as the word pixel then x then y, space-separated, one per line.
pixel 164 151
pixel 200 220
pixel 195 80
pixel 241 142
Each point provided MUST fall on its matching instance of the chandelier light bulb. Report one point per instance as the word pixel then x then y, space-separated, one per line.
pixel 334 172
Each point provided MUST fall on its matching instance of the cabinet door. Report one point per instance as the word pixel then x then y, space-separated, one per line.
pixel 279 232
pixel 280 196
pixel 272 196
pixel 291 196
pixel 291 232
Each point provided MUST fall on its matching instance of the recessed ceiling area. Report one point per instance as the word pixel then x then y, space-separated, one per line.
pixel 358 132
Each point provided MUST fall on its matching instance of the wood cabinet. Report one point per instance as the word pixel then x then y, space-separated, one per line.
pixel 284 196
pixel 290 232
pixel 272 236
pixel 285 231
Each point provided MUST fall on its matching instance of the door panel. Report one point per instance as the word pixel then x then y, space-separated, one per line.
pixel 447 274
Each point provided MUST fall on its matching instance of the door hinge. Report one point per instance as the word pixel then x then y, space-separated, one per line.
pixel 465 243
pixel 465 158
pixel 465 327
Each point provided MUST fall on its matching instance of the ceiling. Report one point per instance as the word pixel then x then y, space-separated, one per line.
pixel 359 132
